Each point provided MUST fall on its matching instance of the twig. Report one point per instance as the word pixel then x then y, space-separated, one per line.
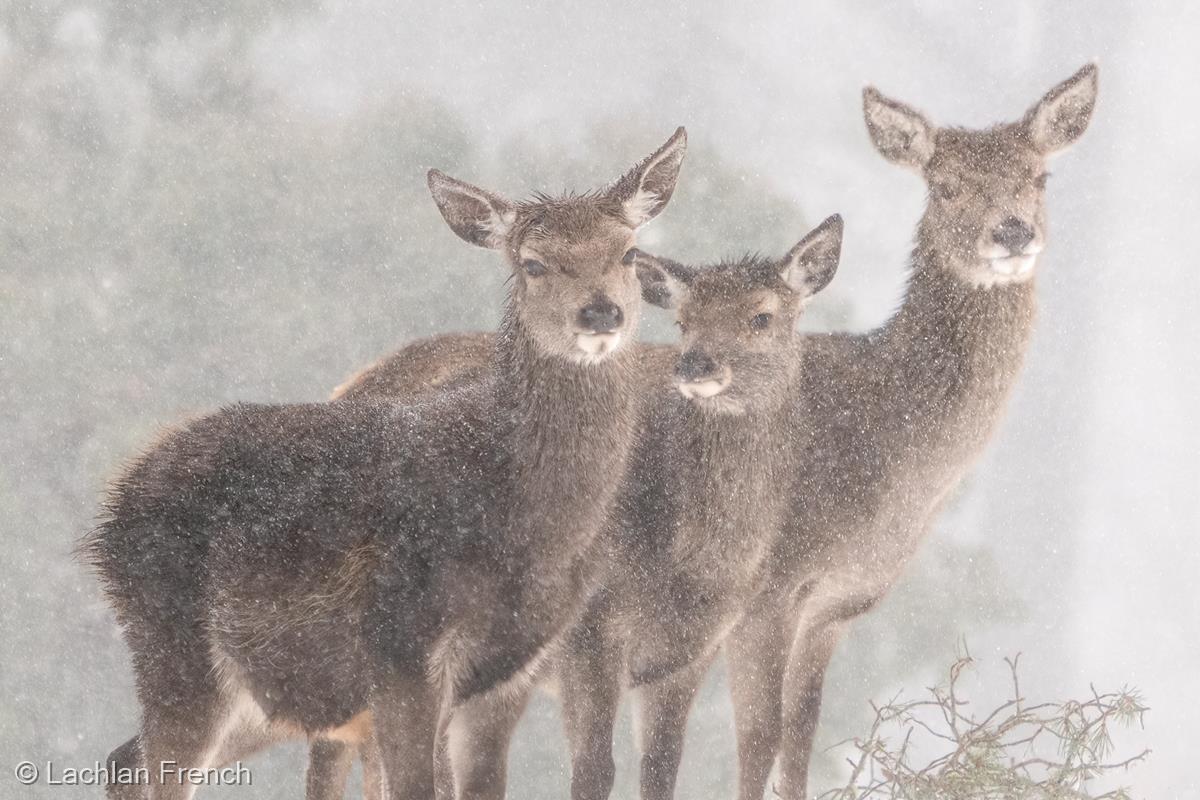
pixel 1045 751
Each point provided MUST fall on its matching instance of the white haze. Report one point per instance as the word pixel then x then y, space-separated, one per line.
pixel 1074 541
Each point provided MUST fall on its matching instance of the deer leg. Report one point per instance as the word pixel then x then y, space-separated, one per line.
pixel 756 652
pixel 443 772
pixel 405 714
pixel 247 740
pixel 179 737
pixel 372 771
pixel 662 722
pixel 590 680
pixel 811 652
pixel 125 760
pixel 329 763
pixel 477 742
pixel 239 742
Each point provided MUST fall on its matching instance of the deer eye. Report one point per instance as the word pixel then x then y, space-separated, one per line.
pixel 630 256
pixel 533 268
pixel 760 322
pixel 1040 180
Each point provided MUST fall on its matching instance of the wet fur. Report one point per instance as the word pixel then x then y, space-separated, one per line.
pixel 298 552
pixel 287 569
pixel 683 551
pixel 898 415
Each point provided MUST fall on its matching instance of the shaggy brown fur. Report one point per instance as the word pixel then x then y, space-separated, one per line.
pixel 901 413
pixel 898 414
pixel 693 521
pixel 292 567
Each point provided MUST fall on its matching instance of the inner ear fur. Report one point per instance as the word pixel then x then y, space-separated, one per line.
pixel 664 282
pixel 478 216
pixel 644 191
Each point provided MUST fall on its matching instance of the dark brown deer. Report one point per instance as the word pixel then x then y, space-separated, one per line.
pixel 900 413
pixel 325 569
pixel 694 519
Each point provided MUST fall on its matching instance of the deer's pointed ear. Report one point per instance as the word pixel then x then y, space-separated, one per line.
pixel 811 264
pixel 900 133
pixel 664 282
pixel 1063 114
pixel 645 190
pixel 476 215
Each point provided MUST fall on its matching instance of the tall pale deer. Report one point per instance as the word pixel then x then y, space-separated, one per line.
pixel 902 412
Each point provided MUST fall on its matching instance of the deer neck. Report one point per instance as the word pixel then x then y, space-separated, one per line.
pixel 569 427
pixel 721 528
pixel 759 424
pixel 952 353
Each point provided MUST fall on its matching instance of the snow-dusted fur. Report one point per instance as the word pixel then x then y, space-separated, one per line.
pixel 316 562
pixel 898 415
pixel 694 519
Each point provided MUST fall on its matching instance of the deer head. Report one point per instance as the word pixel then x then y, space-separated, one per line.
pixel 575 293
pixel 738 319
pixel 986 211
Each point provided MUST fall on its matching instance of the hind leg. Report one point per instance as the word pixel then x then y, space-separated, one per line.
pixel 185 713
pixel 179 738
pixel 124 762
pixel 244 741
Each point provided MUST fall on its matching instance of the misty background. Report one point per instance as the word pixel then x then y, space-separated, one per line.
pixel 213 200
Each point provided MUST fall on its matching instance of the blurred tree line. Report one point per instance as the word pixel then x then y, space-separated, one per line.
pixel 176 236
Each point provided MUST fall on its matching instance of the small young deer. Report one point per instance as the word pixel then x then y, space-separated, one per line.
pixel 901 413
pixel 699 508
pixel 326 569
pixel 694 518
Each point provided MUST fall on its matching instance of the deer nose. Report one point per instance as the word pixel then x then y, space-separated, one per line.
pixel 601 316
pixel 695 365
pixel 1014 234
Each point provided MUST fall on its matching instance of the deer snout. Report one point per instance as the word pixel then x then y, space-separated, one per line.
pixel 601 315
pixel 699 377
pixel 1013 234
pixel 695 365
pixel 598 332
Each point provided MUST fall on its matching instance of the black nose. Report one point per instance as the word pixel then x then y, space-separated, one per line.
pixel 601 316
pixel 1013 234
pixel 695 365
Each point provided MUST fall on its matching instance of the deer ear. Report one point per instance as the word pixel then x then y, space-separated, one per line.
pixel 477 216
pixel 644 191
pixel 810 265
pixel 664 282
pixel 900 133
pixel 1063 114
